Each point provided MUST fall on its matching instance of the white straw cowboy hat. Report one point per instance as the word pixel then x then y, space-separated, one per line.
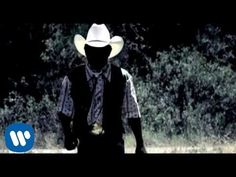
pixel 99 36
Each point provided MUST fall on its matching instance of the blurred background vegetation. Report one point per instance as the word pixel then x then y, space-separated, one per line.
pixel 184 74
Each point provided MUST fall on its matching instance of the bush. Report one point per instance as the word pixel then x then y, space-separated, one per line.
pixel 187 95
pixel 41 115
pixel 215 45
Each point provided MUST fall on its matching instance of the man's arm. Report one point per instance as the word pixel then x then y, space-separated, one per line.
pixel 65 112
pixel 70 140
pixel 135 125
pixel 131 112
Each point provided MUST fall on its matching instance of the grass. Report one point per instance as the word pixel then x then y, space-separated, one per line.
pixel 159 143
pixel 155 143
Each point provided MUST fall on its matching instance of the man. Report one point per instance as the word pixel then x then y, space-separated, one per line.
pixel 96 96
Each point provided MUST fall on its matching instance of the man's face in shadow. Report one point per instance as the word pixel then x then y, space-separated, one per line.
pixel 97 56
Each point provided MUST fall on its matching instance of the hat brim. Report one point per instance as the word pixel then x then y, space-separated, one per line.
pixel 116 44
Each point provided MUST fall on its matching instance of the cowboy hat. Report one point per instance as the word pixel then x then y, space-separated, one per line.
pixel 99 36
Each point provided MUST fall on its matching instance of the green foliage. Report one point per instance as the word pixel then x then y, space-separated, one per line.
pixel 137 50
pixel 188 95
pixel 213 43
pixel 41 115
pixel 60 51
pixel 59 56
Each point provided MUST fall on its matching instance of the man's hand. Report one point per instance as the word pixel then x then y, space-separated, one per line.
pixel 135 125
pixel 140 150
pixel 70 142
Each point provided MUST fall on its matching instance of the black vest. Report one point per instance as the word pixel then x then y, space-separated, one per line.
pixel 112 103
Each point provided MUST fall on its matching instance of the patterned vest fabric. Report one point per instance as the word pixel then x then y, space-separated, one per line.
pixel 112 104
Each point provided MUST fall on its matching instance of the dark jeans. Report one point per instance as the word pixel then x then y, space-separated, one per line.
pixel 100 145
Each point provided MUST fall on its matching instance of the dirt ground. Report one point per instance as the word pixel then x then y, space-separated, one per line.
pixel 150 150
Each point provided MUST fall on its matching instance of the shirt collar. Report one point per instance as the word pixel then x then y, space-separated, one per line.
pixel 106 72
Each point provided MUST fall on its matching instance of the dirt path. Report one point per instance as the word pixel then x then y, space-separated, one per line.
pixel 215 149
